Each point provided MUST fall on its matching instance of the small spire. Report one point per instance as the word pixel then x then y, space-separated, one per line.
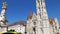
pixel 31 14
pixel 4 5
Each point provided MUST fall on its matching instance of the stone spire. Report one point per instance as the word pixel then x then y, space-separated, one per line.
pixel 3 13
pixel 31 14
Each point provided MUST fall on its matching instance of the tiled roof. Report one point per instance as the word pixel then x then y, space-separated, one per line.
pixel 16 23
pixel 20 23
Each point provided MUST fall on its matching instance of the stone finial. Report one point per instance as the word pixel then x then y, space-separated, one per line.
pixel 4 5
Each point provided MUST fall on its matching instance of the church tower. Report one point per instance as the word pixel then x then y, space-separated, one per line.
pixel 39 23
pixel 42 17
pixel 29 24
pixel 3 14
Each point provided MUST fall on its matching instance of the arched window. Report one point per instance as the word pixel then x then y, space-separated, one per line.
pixel 34 29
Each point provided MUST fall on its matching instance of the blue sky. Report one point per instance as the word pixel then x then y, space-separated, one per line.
pixel 18 10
